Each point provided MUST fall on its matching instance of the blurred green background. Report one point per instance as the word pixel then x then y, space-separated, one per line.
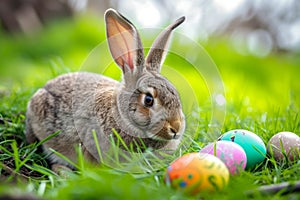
pixel 38 47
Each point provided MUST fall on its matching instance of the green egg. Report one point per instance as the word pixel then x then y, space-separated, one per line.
pixel 252 144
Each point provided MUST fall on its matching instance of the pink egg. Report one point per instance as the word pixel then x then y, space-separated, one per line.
pixel 232 154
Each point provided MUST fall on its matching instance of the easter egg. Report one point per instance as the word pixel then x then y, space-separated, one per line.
pixel 232 154
pixel 195 172
pixel 284 144
pixel 252 144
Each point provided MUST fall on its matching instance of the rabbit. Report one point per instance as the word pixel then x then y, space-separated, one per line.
pixel 144 108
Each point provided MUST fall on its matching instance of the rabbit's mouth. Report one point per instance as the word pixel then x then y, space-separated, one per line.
pixel 171 130
pixel 166 135
pixel 176 136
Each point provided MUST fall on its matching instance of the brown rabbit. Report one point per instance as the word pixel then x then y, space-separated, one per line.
pixel 144 108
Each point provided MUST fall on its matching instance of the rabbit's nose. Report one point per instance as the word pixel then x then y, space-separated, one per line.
pixel 174 129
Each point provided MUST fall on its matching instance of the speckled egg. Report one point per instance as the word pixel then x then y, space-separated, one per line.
pixel 232 154
pixel 285 143
pixel 195 172
pixel 252 144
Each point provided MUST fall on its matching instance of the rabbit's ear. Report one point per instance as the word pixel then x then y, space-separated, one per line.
pixel 124 42
pixel 157 52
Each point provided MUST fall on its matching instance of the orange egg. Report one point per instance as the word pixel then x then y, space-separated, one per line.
pixel 195 172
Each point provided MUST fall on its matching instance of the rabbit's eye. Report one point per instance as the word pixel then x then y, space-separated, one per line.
pixel 148 100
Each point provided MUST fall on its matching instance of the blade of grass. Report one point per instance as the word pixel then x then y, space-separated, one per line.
pixel 97 146
pixel 80 157
pixel 41 170
pixel 47 138
pixel 42 188
pixel 6 151
pixel 120 139
pixel 16 155
pixel 64 158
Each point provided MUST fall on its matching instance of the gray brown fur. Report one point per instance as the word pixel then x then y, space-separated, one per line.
pixel 77 104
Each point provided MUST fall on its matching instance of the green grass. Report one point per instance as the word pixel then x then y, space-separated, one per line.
pixel 262 95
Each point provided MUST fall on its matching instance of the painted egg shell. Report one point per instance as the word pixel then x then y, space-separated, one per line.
pixel 195 172
pixel 252 144
pixel 285 143
pixel 232 154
